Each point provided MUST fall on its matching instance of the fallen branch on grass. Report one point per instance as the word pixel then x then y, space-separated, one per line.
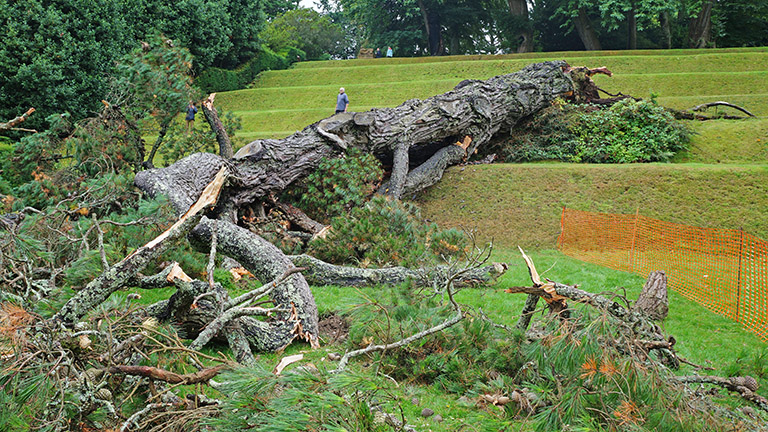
pixel 454 274
pixel 556 295
pixel 167 376
pixel 322 273
pixel 746 386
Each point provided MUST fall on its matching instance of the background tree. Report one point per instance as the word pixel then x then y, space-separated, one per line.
pixel 56 55
pixel 307 30
pixel 154 84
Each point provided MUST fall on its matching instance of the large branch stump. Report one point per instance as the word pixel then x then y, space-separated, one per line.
pixel 652 300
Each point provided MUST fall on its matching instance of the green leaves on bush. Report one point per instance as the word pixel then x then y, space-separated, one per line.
pixel 628 131
pixel 386 232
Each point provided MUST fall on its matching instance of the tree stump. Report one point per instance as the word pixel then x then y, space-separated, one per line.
pixel 653 300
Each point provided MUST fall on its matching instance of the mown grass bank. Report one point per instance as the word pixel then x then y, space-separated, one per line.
pixel 521 204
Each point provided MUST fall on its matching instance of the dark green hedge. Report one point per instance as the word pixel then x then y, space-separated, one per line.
pixel 218 80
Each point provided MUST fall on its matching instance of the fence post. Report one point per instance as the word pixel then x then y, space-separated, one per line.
pixel 632 250
pixel 738 277
pixel 562 230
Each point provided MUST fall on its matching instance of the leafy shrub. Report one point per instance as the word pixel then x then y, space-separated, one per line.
pixel 218 80
pixel 386 232
pixel 544 136
pixel 628 131
pixel 339 184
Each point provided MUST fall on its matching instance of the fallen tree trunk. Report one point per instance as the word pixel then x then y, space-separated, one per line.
pixel 419 139
pixel 404 137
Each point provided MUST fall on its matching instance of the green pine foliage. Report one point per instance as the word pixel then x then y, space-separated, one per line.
pixel 386 232
pixel 300 400
pixel 339 184
pixel 454 360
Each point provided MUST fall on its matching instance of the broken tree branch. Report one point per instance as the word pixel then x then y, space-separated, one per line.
pixel 118 275
pixel 746 386
pixel 704 106
pixel 210 113
pixel 556 294
pixel 322 273
pixel 168 376
pixel 12 124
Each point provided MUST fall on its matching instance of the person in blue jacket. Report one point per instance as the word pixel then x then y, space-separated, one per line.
pixel 191 111
pixel 342 101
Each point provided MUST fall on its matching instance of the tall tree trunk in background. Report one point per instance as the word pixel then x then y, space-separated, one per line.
pixel 454 45
pixel 519 8
pixel 666 30
pixel 434 29
pixel 700 28
pixel 631 27
pixel 586 31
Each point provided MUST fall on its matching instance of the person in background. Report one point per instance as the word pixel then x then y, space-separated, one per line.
pixel 342 101
pixel 390 53
pixel 377 54
pixel 191 111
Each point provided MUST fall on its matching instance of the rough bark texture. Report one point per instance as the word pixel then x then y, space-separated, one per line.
pixel 586 31
pixel 478 109
pixel 118 275
pixel 321 273
pixel 653 298
pixel 212 116
pixel 700 27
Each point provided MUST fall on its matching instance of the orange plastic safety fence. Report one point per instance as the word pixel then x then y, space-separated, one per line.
pixel 724 270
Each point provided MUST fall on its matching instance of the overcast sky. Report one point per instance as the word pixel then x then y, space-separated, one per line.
pixel 307 3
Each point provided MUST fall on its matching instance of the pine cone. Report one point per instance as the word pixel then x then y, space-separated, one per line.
pixel 750 383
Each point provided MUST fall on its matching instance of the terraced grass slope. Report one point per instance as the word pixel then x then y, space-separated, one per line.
pixel 720 182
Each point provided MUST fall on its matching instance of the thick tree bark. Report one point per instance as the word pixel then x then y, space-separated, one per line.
pixel 652 300
pixel 479 109
pixel 118 275
pixel 586 31
pixel 700 27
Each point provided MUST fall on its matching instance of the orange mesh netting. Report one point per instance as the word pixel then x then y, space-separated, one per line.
pixel 724 270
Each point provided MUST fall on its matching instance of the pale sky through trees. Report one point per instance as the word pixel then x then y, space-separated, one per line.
pixel 307 3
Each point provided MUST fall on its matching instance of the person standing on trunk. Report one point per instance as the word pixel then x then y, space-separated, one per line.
pixel 342 101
